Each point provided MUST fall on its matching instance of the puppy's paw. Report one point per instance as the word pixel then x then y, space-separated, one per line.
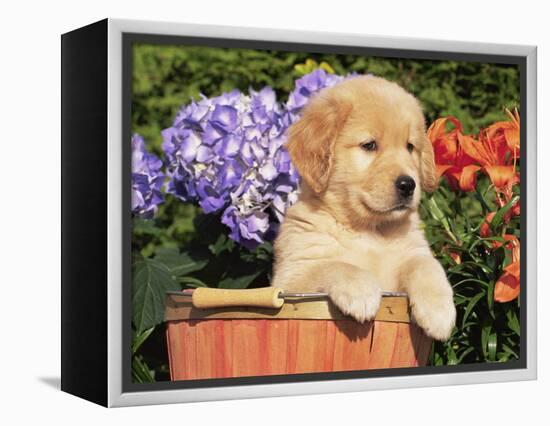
pixel 360 301
pixel 436 314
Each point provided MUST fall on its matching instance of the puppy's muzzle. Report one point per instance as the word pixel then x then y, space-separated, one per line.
pixel 405 186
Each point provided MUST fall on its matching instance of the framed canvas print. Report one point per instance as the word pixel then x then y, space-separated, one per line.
pixel 251 212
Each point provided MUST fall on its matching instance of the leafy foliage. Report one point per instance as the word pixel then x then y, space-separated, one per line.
pixel 166 77
pixel 151 279
pixel 485 331
pixel 183 247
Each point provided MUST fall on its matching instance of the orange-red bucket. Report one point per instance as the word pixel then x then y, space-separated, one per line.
pixel 302 336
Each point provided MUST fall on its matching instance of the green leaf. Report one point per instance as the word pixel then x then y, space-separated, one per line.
pixel 485 268
pixel 463 354
pixel 489 342
pixel 222 243
pixel 139 338
pixel 434 210
pixel 499 216
pixel 140 371
pixel 180 263
pixel 481 199
pixel 485 331
pixel 192 282
pixel 451 356
pixel 513 322
pixel 492 346
pixel 471 280
pixel 145 227
pixel 151 281
pixel 470 306
pixel 438 215
pixel 239 281
pixel 507 349
pixel 490 298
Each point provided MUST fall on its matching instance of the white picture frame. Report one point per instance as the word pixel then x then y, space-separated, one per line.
pixel 116 392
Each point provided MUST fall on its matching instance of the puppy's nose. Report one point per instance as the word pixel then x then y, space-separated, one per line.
pixel 405 186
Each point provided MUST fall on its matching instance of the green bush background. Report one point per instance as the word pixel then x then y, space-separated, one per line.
pixel 166 77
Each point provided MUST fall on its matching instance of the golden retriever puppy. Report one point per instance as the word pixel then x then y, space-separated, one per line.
pixel 362 151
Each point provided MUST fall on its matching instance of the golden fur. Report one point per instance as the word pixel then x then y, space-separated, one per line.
pixel 350 234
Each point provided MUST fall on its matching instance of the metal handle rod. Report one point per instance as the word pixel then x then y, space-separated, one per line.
pixel 313 295
pixel 189 292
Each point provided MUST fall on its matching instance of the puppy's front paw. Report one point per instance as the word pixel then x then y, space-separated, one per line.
pixel 360 301
pixel 435 313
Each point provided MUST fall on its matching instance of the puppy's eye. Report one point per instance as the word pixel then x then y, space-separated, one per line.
pixel 410 147
pixel 369 146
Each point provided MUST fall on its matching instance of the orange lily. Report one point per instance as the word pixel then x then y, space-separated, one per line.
pixel 456 257
pixel 496 150
pixel 508 285
pixel 451 160
pixel 485 232
pixel 508 131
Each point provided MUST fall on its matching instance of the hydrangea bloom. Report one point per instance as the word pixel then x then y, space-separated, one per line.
pixel 227 154
pixel 147 179
pixel 307 86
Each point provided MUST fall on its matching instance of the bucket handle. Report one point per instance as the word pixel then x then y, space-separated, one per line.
pixel 264 297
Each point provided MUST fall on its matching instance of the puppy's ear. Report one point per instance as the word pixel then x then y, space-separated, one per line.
pixel 428 175
pixel 311 139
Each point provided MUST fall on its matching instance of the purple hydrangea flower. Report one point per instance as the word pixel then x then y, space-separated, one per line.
pixel 147 180
pixel 307 86
pixel 227 153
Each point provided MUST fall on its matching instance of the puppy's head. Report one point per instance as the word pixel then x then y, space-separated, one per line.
pixel 361 148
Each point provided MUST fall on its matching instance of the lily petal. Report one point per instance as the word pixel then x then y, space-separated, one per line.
pixel 467 181
pixel 500 175
pixel 444 143
pixel 441 169
pixel 437 129
pixel 508 285
pixel 512 139
pixel 475 149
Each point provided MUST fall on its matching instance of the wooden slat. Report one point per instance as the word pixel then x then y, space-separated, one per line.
pixel 329 348
pixel 422 345
pixel 382 347
pixel 404 351
pixel 203 349
pixel 292 346
pixel 172 336
pixel 352 345
pixel 213 338
pixel 248 343
pixel 225 342
pixel 183 350
pixel 276 346
pixel 392 309
pixel 205 344
pixel 311 344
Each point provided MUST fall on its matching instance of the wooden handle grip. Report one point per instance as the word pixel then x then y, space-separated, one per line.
pixel 266 297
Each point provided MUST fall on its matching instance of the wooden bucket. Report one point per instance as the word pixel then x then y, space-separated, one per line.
pixel 302 336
